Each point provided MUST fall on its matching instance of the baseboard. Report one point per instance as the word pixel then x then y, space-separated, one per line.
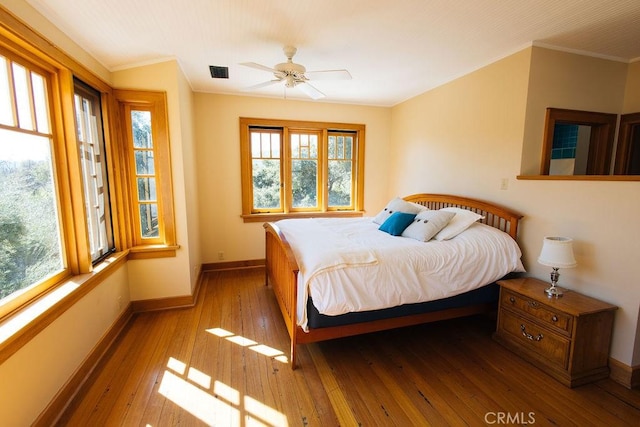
pixel 54 410
pixel 184 301
pixel 628 376
pixel 232 265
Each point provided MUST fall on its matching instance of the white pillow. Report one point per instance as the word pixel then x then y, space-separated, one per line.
pixel 461 221
pixel 397 205
pixel 427 224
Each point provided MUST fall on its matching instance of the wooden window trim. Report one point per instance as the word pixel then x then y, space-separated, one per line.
pixel 245 153
pixel 165 244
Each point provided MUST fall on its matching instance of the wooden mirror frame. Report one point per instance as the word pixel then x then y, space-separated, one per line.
pixel 603 126
pixel 628 126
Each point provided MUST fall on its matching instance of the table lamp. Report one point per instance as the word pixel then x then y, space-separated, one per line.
pixel 557 252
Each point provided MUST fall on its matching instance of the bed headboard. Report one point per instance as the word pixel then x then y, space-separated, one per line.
pixel 494 215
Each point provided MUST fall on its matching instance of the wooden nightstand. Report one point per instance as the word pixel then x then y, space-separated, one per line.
pixel 567 337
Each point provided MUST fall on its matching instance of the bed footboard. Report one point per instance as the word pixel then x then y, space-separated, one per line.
pixel 282 274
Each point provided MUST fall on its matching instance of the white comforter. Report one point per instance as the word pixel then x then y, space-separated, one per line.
pixel 348 265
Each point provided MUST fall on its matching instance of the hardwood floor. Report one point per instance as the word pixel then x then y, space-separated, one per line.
pixel 223 362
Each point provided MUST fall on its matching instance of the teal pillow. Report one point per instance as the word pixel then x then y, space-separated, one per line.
pixel 397 222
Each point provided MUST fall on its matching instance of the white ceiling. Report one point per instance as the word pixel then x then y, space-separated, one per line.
pixel 393 49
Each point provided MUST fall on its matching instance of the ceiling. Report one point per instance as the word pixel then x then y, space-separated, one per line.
pixel 394 50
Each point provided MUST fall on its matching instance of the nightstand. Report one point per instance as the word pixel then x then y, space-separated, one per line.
pixel 567 337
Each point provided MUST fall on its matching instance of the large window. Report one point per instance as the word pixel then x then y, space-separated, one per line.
pixel 301 168
pixel 31 243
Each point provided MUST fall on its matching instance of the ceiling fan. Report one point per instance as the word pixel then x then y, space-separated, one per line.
pixel 296 75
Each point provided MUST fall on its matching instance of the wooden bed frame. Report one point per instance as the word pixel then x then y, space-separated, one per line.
pixel 282 274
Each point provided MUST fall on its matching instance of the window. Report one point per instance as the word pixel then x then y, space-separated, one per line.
pixel 32 252
pixel 92 149
pixel 294 168
pixel 146 144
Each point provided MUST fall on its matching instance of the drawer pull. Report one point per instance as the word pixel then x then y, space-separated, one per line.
pixel 554 318
pixel 529 336
pixel 512 300
pixel 533 304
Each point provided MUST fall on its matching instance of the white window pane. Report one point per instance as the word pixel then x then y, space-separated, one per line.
pixel 40 103
pixel 31 247
pixel 23 97
pixel 304 183
pixel 266 184
pixel 6 105
pixel 149 220
pixel 141 124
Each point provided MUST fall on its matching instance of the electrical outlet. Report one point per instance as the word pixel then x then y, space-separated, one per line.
pixel 220 255
pixel 504 183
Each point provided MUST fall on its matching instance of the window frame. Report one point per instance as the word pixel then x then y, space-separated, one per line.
pixel 155 102
pixel 25 295
pixel 249 214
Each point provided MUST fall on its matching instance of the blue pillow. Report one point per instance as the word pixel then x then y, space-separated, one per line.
pixel 397 222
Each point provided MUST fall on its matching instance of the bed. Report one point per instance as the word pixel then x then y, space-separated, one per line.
pixel 295 296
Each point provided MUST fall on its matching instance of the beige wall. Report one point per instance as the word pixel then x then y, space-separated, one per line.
pixel 465 136
pixel 632 97
pixel 566 80
pixel 217 133
pixel 32 376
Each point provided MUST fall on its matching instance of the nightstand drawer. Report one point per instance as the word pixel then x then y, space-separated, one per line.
pixel 551 347
pixel 553 318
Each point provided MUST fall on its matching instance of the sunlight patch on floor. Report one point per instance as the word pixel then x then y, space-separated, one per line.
pixel 250 344
pixel 223 405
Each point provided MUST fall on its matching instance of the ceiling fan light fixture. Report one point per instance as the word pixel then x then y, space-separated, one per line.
pixel 293 75
pixel 290 81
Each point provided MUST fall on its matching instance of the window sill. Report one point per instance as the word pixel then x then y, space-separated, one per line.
pixel 268 217
pixel 153 251
pixel 18 328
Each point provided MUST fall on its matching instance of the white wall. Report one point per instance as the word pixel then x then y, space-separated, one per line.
pixel 218 135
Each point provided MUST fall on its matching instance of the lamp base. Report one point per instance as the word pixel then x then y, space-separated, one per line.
pixel 553 292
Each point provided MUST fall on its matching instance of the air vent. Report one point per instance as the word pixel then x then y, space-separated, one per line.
pixel 219 72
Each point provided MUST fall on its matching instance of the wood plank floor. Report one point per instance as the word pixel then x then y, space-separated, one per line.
pixel 223 363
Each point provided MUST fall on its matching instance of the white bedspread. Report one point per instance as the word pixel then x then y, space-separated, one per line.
pixel 348 265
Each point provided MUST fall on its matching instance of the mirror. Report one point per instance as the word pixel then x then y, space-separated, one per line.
pixel 578 142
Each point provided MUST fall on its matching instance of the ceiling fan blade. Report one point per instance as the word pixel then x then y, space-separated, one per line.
pixel 328 75
pixel 310 91
pixel 261 85
pixel 258 66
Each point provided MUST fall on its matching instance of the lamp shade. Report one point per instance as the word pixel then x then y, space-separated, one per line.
pixel 557 252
